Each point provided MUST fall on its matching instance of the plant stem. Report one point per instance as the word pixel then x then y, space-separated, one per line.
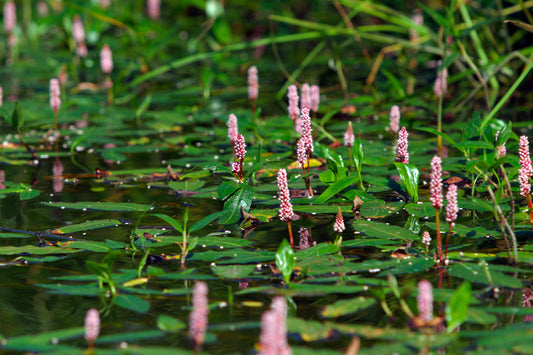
pixel 447 240
pixel 439 240
pixel 291 238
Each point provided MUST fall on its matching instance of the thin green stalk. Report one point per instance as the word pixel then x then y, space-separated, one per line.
pixel 508 94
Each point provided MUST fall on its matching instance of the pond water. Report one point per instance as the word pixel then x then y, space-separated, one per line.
pixel 94 218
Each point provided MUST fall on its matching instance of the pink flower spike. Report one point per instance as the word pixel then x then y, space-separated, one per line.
pixel 305 97
pixel 402 154
pixel 307 131
pixel 106 59
pixel 435 185
pixel 424 301
pixel 198 318
pixel 285 211
pixel 236 169
pixel 292 95
pixel 273 338
pixel 426 238
pixel 233 130
pixel 55 93
pixel 441 83
pixel 92 325
pixel 253 83
pixel 501 151
pixel 394 118
pixel 315 98
pixel 339 227
pixel 10 16
pixel 78 32
pixel 1 96
pixel 153 9
pixel 525 171
pixel 451 208
pixel 301 153
pixel 240 148
pixel 349 137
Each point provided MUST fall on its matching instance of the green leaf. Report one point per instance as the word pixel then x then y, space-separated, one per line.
pixel 233 272
pixel 85 226
pixel 379 208
pixel 29 194
pixel 420 210
pixel 206 220
pixel 335 188
pixel 101 206
pixel 232 207
pixel 317 250
pixel 457 309
pixel 358 155
pixel 285 260
pixel 131 302
pixel 35 250
pixel 384 231
pixel 172 221
pixel 344 307
pixel 170 324
pixel 409 175
pixel 475 273
pixel 130 336
pixel 98 247
pixel 17 120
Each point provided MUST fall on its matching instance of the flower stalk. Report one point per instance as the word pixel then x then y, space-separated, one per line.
pixel 435 189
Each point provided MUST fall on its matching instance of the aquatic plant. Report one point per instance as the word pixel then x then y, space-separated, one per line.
pixel 451 213
pixel 78 34
pixel 286 212
pixel 273 338
pixel 253 87
pixel 92 326
pixel 435 190
pixel 55 99
pixel 402 153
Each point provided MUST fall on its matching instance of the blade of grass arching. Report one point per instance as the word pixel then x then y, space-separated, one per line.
pixel 508 94
pixel 483 58
pixel 230 48
pixel 100 17
pixel 305 62
pixel 377 37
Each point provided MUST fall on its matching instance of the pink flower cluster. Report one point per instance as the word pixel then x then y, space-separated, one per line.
pixel 78 33
pixel 153 9
pixel 426 238
pixel 106 59
pixel 233 130
pixel 525 171
pixel 1 96
pixel 10 16
pixel 273 338
pixel 338 226
pixel 501 150
pixel 198 318
pixel 451 207
pixel 424 300
pixel 315 98
pixel 435 185
pixel 306 241
pixel 305 97
pixel 253 83
pixel 285 211
pixel 349 137
pixel 294 109
pixel 394 119
pixel 441 83
pixel 92 325
pixel 239 148
pixel 305 144
pixel 402 153
pixel 55 93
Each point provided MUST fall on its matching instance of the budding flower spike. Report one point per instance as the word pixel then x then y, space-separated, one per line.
pixel 440 88
pixel 451 213
pixel 55 98
pixel 198 318
pixel 253 87
pixel 233 131
pixel 239 147
pixel 305 147
pixel 525 172
pixel 153 9
pixel 402 153
pixel 78 33
pixel 426 240
pixel 315 99
pixel 92 326
pixel 286 212
pixel 339 227
pixel 294 109
pixel 435 190
pixel 424 301
pixel 305 97
pixel 106 63
pixel 10 21
pixel 273 338
pixel 394 119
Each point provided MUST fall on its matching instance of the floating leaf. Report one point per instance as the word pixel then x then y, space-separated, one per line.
pixel 344 307
pixel 379 209
pixel 131 302
pixel 34 250
pixel 85 226
pixel 170 324
pixel 384 231
pixel 97 247
pixel 130 336
pixel 101 206
pixel 476 273
pixel 233 271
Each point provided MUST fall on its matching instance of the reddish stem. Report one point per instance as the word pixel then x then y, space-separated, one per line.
pixel 291 238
